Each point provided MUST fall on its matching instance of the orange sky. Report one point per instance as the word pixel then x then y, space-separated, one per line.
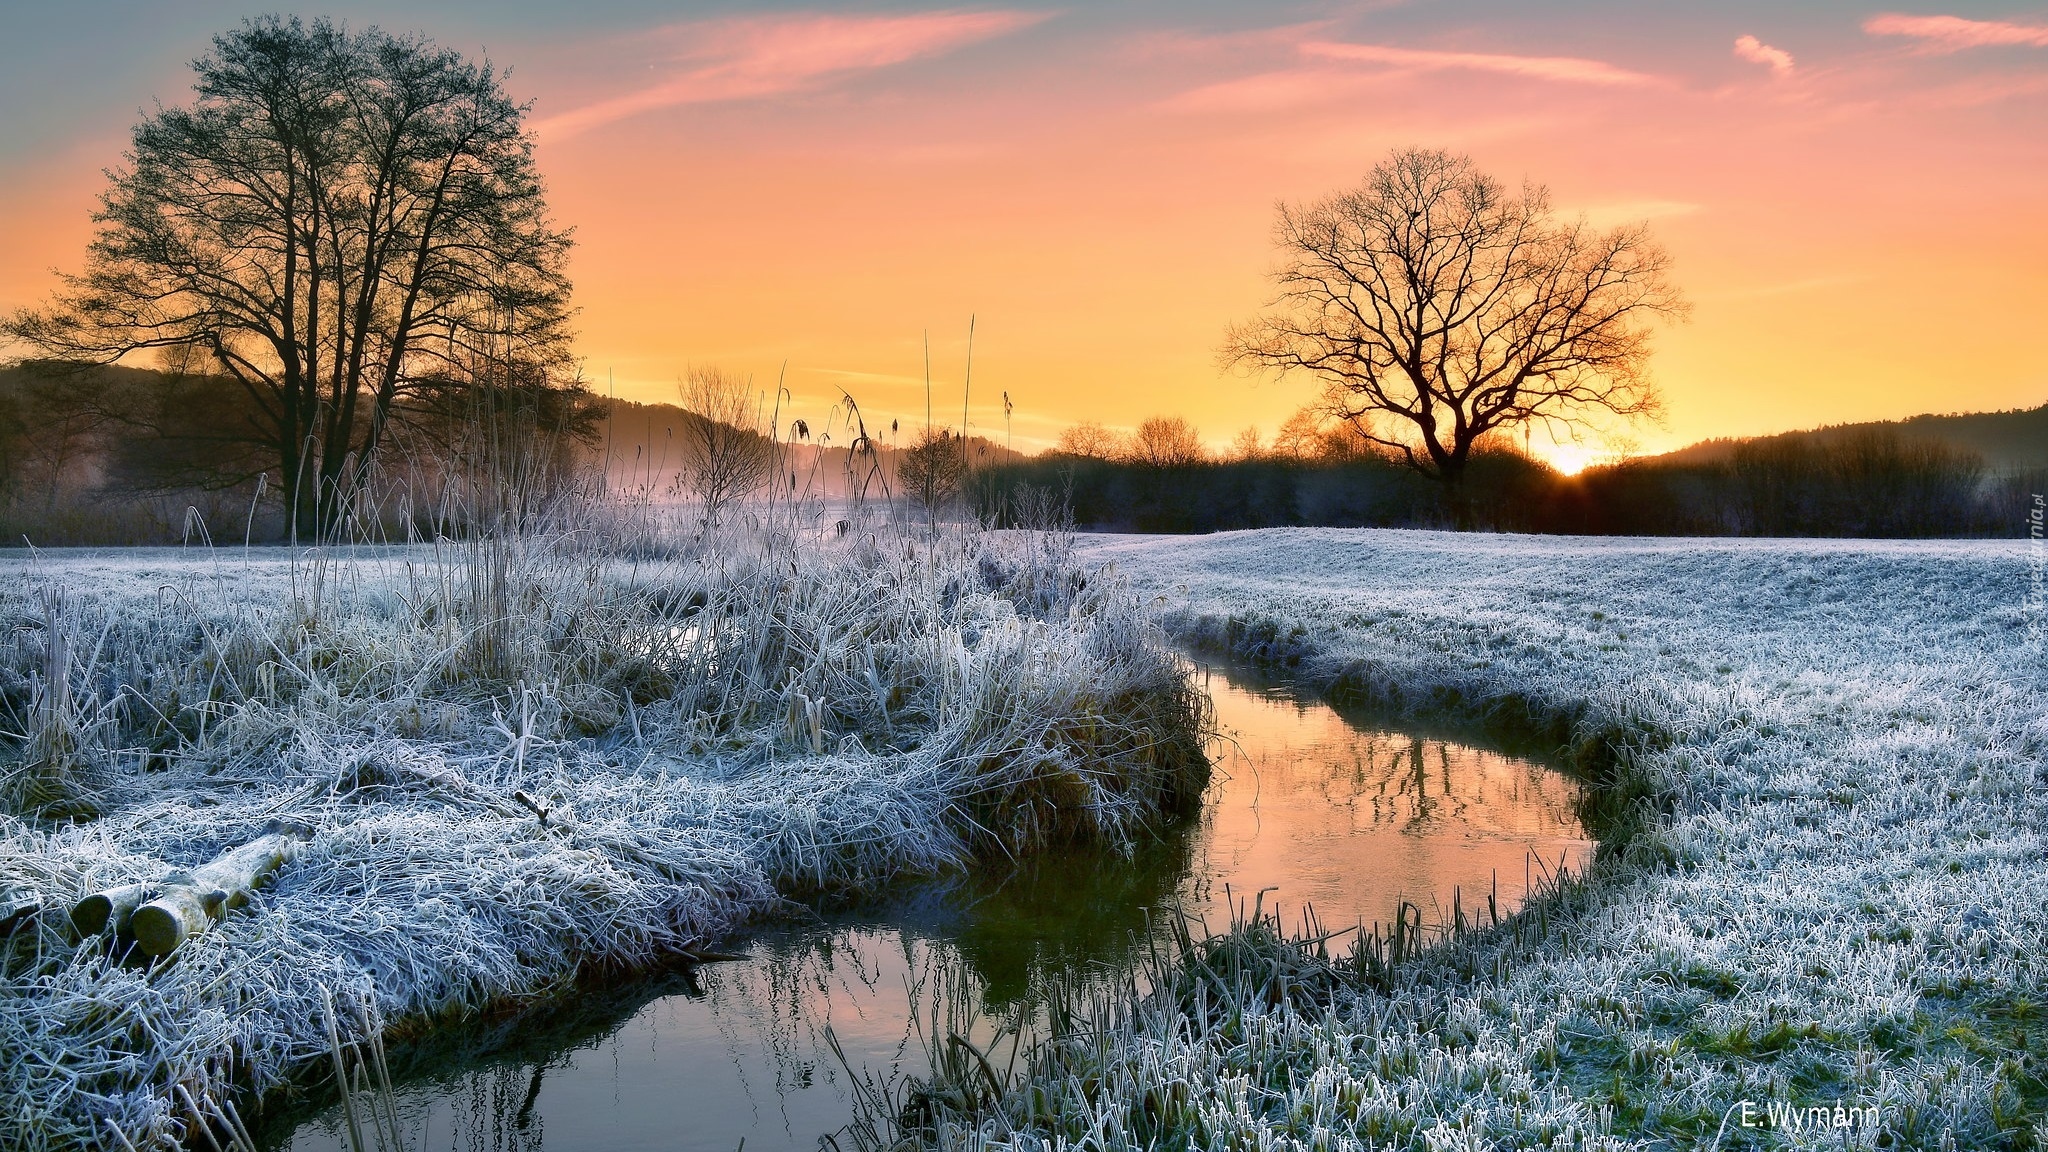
pixel 1855 197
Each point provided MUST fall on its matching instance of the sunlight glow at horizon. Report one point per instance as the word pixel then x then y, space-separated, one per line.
pixel 1572 459
pixel 1851 194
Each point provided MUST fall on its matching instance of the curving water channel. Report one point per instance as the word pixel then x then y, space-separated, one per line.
pixel 1326 807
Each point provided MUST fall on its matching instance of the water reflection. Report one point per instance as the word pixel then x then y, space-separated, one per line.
pixel 1355 819
pixel 1350 818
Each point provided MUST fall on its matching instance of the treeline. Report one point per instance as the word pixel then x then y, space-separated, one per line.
pixel 118 455
pixel 1874 483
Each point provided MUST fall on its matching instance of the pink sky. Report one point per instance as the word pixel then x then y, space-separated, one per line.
pixel 1854 198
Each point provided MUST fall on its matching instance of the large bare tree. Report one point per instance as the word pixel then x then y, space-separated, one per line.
pixel 1435 308
pixel 338 216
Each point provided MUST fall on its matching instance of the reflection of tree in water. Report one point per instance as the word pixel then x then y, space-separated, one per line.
pixel 993 935
pixel 780 1000
pixel 1389 774
pixel 500 1106
pixel 1351 759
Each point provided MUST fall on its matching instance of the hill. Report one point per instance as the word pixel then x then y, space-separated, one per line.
pixel 2010 441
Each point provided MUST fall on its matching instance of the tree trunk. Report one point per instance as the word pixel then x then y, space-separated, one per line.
pixel 1456 496
pixel 165 914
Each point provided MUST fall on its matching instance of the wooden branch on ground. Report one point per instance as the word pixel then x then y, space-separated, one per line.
pixel 455 782
pixel 14 906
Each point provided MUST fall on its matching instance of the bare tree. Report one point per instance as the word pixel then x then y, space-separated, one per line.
pixel 932 470
pixel 728 451
pixel 1089 439
pixel 336 217
pixel 1436 308
pixel 1165 442
pixel 1316 432
pixel 1248 444
pixel 1300 435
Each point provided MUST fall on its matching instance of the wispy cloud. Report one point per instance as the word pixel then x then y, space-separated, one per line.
pixel 1565 69
pixel 1756 51
pixel 1954 33
pixel 1267 92
pixel 753 57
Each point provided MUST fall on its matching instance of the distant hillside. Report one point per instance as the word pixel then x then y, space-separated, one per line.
pixel 105 434
pixel 2014 441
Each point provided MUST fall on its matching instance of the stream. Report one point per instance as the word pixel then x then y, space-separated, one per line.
pixel 1326 807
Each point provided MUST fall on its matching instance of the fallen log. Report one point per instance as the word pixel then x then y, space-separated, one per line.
pixel 166 913
pixel 94 914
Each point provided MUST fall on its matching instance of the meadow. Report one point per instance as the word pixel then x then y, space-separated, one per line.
pixel 1814 919
pixel 503 767
pixel 520 765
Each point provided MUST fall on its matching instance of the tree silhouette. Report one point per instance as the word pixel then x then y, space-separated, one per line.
pixel 728 452
pixel 932 470
pixel 336 218
pixel 1087 439
pixel 1165 442
pixel 1436 308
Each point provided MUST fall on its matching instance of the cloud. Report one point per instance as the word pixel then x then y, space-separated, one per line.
pixel 753 57
pixel 1566 69
pixel 1954 33
pixel 1757 52
pixel 1267 92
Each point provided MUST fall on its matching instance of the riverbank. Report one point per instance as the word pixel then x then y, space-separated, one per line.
pixel 517 763
pixel 1303 798
pixel 1831 893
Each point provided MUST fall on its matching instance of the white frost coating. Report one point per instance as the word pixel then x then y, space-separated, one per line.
pixel 396 701
pixel 1846 901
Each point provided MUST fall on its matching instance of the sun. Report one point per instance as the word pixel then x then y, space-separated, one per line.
pixel 1572 459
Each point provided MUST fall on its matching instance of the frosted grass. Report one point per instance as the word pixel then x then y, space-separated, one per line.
pixel 1825 884
pixel 746 722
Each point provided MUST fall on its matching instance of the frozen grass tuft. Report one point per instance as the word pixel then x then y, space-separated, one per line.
pixel 524 761
pixel 1823 885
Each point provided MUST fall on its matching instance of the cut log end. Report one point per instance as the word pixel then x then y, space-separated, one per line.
pixel 91 915
pixel 158 930
pixel 108 909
